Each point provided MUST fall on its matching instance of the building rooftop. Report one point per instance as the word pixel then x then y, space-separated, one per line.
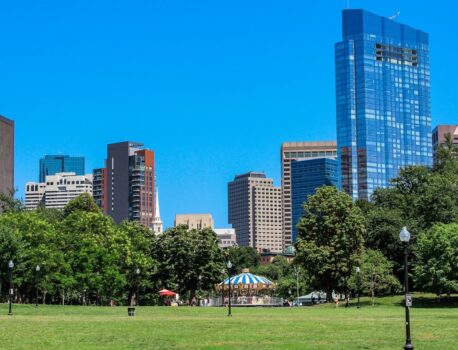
pixel 250 174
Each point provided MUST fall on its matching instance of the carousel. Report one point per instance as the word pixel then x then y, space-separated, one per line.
pixel 247 289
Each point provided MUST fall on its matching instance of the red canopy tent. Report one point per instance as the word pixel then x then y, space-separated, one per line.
pixel 167 293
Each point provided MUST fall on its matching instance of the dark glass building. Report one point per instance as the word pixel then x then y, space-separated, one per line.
pixel 53 164
pixel 383 101
pixel 6 155
pixel 306 176
pixel 128 183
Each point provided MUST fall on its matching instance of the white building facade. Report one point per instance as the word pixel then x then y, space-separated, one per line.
pixel 226 237
pixel 57 191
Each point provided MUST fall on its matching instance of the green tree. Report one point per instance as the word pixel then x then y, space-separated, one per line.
pixel 242 258
pixel 376 276
pixel 189 260
pixel 330 239
pixel 36 241
pixel 138 254
pixel 94 248
pixel 84 202
pixel 382 233
pixel 436 268
pixel 9 204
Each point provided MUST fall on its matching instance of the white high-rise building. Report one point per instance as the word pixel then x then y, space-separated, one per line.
pixel 57 191
pixel 157 222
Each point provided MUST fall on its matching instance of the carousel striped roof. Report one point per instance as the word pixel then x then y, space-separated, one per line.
pixel 247 278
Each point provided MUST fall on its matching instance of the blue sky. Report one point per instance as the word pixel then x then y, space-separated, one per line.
pixel 213 87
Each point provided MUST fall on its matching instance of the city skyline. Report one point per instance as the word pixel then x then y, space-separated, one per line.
pixel 214 155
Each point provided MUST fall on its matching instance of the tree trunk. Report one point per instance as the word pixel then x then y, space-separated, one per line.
pixel 373 296
pixel 63 297
pixel 329 295
pixel 44 297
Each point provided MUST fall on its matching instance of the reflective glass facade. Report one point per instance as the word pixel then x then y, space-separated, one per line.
pixel 306 176
pixel 53 164
pixel 383 101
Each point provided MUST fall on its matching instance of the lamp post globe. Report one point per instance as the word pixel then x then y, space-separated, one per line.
pixel 404 236
pixel 229 267
pixel 10 291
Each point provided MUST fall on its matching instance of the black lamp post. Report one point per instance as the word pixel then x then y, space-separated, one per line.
pixel 10 292
pixel 405 238
pixel 223 272
pixel 358 282
pixel 229 267
pixel 137 274
pixel 37 269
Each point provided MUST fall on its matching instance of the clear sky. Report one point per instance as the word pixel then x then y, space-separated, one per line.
pixel 213 87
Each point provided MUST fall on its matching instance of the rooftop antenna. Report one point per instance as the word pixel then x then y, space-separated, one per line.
pixel 396 15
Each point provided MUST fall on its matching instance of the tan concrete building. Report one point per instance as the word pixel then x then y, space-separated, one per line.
pixel 298 151
pixel 6 155
pixel 195 221
pixel 255 212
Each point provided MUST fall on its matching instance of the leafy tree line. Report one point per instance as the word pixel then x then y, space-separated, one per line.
pixel 336 235
pixel 85 258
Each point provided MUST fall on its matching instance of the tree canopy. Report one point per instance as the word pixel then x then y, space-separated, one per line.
pixel 330 239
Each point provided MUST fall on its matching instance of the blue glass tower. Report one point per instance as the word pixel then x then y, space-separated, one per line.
pixel 383 101
pixel 306 176
pixel 53 164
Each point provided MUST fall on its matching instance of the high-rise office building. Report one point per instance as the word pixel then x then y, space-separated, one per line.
pixel 383 101
pixel 130 183
pixel 99 188
pixel 57 190
pixel 439 134
pixel 6 155
pixel 255 212
pixel 195 221
pixel 306 176
pixel 53 164
pixel 296 151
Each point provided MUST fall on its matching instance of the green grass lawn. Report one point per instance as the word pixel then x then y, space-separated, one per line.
pixel 318 327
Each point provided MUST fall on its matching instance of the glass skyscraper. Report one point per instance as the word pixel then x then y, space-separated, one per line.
pixel 383 101
pixel 53 164
pixel 306 176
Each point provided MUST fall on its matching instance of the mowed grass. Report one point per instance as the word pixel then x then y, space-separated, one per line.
pixel 318 327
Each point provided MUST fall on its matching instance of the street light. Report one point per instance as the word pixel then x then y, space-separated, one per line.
pixel 405 238
pixel 37 269
pixel 137 273
pixel 229 267
pixel 10 292
pixel 297 270
pixel 223 272
pixel 358 281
